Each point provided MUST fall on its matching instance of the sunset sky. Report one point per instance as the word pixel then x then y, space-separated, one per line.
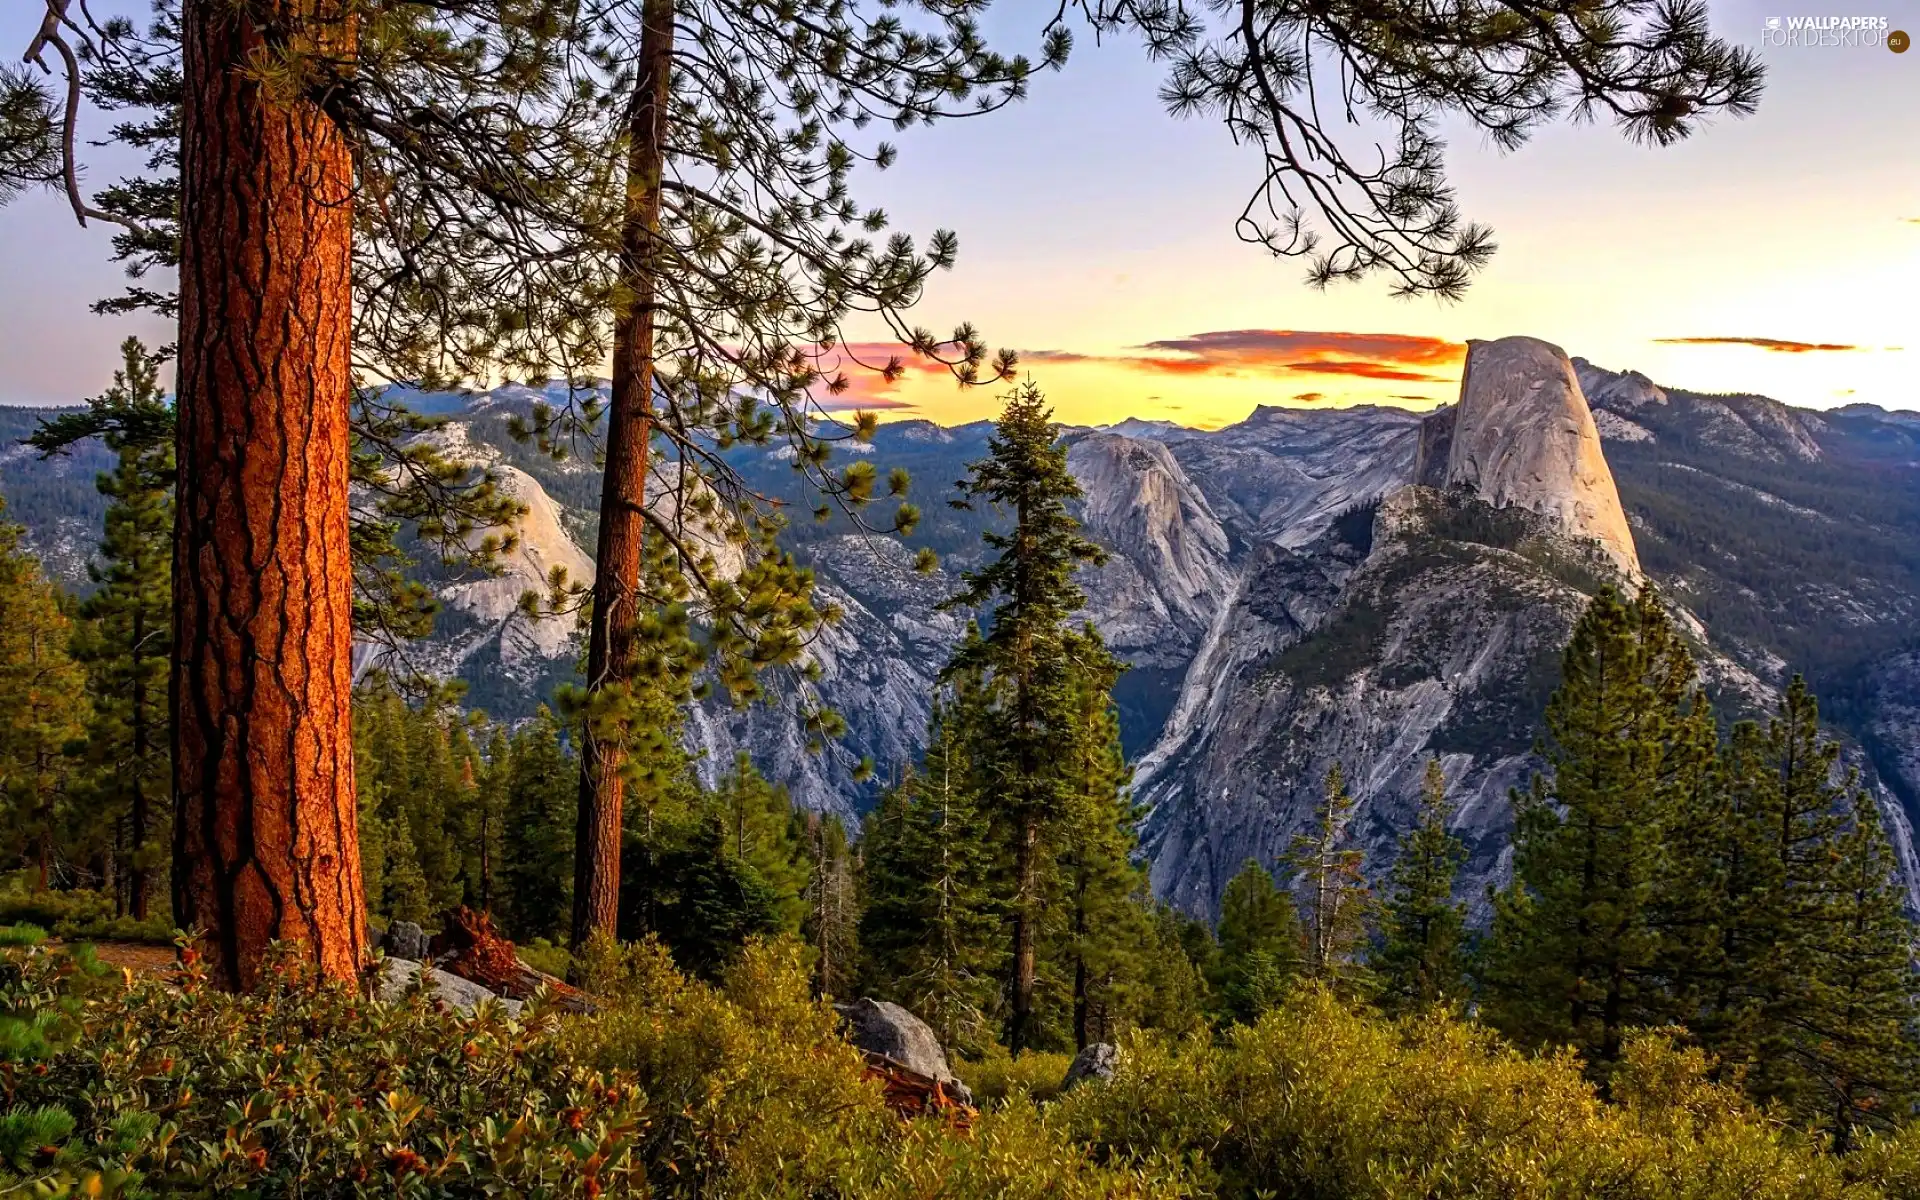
pixel 1776 254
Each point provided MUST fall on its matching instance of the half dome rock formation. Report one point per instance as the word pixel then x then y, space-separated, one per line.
pixel 1522 436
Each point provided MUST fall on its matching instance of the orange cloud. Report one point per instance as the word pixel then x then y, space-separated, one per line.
pixel 1282 352
pixel 1776 345
pixel 1309 397
pixel 1366 370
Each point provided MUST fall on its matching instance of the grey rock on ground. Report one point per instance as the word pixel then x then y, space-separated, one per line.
pixel 882 1027
pixel 405 940
pixel 398 974
pixel 1097 1061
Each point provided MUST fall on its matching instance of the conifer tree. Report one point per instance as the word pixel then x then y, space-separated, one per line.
pixel 758 819
pixel 1262 945
pixel 1028 584
pixel 1859 1046
pixel 833 905
pixel 489 817
pixel 408 893
pixel 126 636
pixel 1421 961
pixel 1817 1007
pixel 536 866
pixel 930 925
pixel 43 694
pixel 1577 951
pixel 1334 892
pixel 1108 927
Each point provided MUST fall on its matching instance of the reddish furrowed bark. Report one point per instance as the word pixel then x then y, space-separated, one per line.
pixel 266 844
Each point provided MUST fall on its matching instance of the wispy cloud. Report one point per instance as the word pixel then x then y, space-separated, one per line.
pixel 1309 397
pixel 1280 354
pixel 1776 345
pixel 863 368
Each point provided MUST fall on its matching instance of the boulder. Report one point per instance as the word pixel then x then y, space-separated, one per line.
pixel 397 977
pixel 884 1028
pixel 405 940
pixel 1097 1062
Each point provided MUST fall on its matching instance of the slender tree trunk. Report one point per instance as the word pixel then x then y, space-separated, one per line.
pixel 44 773
pixel 266 845
pixel 623 495
pixel 1081 1000
pixel 1026 870
pixel 137 885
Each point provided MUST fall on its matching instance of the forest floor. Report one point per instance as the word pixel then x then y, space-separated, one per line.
pixel 143 957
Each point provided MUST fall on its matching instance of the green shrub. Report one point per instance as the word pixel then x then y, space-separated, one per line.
pixel 169 1086
pixel 1318 1101
pixel 543 955
pixel 673 1088
pixel 760 1097
pixel 51 909
pixel 996 1076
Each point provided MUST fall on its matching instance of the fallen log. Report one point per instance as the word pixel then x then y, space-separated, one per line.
pixel 912 1094
pixel 469 946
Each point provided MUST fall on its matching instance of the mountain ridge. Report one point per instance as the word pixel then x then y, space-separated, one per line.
pixel 1231 545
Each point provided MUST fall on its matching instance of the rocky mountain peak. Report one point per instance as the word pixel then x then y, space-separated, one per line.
pixel 1523 436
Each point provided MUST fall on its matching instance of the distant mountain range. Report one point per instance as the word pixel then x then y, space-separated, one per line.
pixel 1368 585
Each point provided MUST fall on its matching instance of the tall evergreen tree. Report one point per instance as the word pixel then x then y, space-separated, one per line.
pixel 536 862
pixel 833 904
pixel 1816 1008
pixel 43 694
pixel 408 892
pixel 1333 890
pixel 1421 961
pixel 126 636
pixel 725 275
pixel 489 817
pixel 1108 929
pixel 929 928
pixel 1859 1048
pixel 1262 946
pixel 1028 584
pixel 1577 950
pixel 758 819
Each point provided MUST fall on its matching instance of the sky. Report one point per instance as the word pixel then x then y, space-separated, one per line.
pixel 1776 254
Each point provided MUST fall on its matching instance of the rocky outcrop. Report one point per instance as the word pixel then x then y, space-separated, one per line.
pixel 398 977
pixel 884 1028
pixel 405 939
pixel 1436 645
pixel 1155 597
pixel 1522 436
pixel 1283 474
pixel 1096 1062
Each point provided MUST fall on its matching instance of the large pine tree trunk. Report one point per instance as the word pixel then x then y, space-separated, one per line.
pixel 616 585
pixel 266 844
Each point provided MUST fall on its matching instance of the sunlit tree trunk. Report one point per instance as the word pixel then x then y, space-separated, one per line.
pixel 265 840
pixel 616 586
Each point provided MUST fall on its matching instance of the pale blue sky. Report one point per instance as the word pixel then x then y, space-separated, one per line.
pixel 1091 222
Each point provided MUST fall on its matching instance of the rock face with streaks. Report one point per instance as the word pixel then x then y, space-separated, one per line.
pixel 1522 436
pixel 1284 598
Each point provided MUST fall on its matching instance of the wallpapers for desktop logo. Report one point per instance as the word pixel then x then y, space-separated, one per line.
pixel 1833 32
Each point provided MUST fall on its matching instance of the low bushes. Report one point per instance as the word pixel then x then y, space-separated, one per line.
pixel 997 1076
pixel 677 1088
pixel 1318 1101
pixel 76 914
